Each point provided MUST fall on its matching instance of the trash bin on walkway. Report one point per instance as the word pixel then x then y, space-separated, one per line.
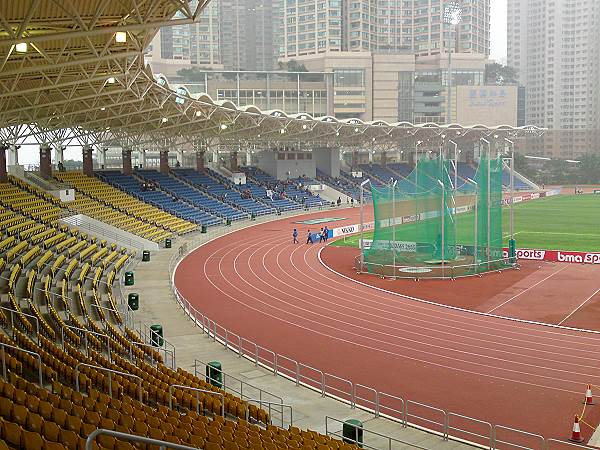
pixel 146 255
pixel 214 374
pixel 129 280
pixel 133 300
pixel 352 432
pixel 156 338
pixel 167 243
pixel 203 230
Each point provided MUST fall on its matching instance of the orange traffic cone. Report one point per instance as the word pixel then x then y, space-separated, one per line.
pixel 576 434
pixel 589 400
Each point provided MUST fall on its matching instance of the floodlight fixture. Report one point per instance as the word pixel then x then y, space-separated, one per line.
pixel 121 37
pixel 452 13
pixel 21 47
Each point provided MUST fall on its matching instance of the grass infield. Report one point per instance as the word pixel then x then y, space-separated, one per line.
pixel 553 223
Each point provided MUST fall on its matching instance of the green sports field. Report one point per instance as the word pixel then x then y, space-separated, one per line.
pixel 553 223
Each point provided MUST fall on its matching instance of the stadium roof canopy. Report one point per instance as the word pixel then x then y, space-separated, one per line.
pixel 74 69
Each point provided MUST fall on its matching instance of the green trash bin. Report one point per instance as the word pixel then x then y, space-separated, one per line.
pixel 133 300
pixel 214 374
pixel 352 432
pixel 228 222
pixel 129 280
pixel 146 255
pixel 512 251
pixel 167 243
pixel 203 230
pixel 156 338
pixel 253 216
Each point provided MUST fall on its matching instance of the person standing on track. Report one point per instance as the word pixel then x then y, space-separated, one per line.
pixel 321 236
pixel 326 233
pixel 309 238
pixel 295 235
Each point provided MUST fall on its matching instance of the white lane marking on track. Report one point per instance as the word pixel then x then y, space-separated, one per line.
pixel 363 345
pixel 420 304
pixel 480 316
pixel 528 289
pixel 577 309
pixel 568 350
pixel 462 370
pixel 426 336
pixel 385 351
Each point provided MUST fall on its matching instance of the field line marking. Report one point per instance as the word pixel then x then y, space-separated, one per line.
pixel 559 233
pixel 529 288
pixel 576 309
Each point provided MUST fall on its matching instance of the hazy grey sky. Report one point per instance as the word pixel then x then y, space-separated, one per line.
pixel 498 30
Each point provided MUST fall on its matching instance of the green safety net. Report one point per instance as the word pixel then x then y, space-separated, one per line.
pixel 427 227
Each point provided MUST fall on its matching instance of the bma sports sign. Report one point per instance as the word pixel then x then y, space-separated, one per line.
pixel 556 256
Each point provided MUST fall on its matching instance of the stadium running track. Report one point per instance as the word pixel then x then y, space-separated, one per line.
pixel 259 285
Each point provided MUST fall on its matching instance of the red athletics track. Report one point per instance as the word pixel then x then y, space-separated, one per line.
pixel 260 286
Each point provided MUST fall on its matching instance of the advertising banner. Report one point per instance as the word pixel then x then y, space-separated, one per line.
pixel 556 256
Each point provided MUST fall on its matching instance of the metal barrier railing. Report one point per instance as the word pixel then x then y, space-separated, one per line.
pixel 12 312
pixel 433 271
pixel 162 445
pixel 110 372
pixel 367 435
pixel 198 392
pixel 19 349
pixel 279 408
pixel 236 386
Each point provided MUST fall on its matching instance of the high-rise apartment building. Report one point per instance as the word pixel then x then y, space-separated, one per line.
pixel 231 34
pixel 553 45
pixel 246 34
pixel 317 26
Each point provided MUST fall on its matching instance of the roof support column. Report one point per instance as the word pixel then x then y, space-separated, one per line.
pixel 384 158
pixel 13 155
pixel 354 160
pixel 102 157
pixel 45 161
pixel 88 162
pixel 142 157
pixel 233 161
pixel 126 155
pixel 164 161
pixel 200 160
pixel 59 154
pixel 3 173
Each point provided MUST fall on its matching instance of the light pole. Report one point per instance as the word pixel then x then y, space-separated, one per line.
pixel 443 211
pixel 393 186
pixel 489 195
pixel 455 163
pixel 417 165
pixel 475 226
pixel 452 16
pixel 362 222
pixel 512 186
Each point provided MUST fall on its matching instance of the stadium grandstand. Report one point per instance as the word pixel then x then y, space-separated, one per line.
pixel 99 346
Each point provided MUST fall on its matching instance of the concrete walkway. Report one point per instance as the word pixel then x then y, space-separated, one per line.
pixel 158 306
